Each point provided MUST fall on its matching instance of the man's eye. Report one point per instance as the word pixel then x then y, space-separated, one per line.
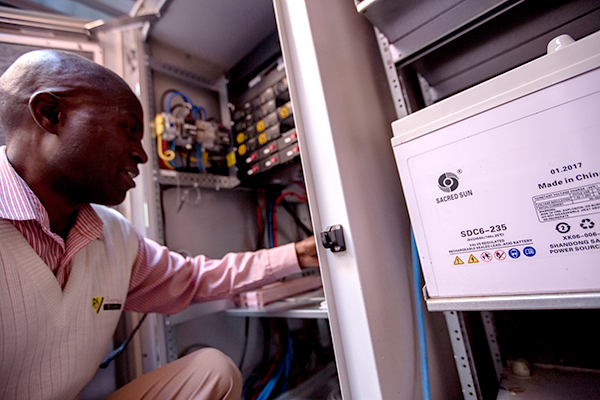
pixel 131 130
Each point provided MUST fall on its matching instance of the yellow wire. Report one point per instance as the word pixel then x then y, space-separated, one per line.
pixel 168 155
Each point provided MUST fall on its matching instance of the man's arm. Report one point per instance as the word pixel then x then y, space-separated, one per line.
pixel 166 282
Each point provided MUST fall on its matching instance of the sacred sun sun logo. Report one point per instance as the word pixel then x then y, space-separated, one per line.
pixel 448 183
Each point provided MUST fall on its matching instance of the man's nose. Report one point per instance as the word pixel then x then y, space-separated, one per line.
pixel 139 155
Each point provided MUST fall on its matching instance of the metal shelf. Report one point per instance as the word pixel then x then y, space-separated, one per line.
pixel 176 178
pixel 307 312
pixel 308 305
pixel 517 302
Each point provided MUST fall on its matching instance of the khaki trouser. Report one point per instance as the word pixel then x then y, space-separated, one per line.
pixel 206 374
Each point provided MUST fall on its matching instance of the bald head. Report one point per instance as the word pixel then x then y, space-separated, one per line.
pixel 49 71
pixel 73 129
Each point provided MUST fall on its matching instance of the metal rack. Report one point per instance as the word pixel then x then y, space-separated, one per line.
pixel 308 305
pixel 305 306
pixel 183 179
pixel 176 178
pixel 398 49
pixel 522 302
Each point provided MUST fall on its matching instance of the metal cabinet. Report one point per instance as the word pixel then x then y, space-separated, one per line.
pixel 438 74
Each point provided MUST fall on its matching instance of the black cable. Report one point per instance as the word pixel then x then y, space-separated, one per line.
pixel 115 353
pixel 300 224
pixel 188 158
pixel 245 348
pixel 254 379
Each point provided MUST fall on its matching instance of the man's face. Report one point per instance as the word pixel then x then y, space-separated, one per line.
pixel 101 147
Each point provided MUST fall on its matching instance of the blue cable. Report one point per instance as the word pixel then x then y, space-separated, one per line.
pixel 266 392
pixel 270 224
pixel 197 111
pixel 288 363
pixel 420 318
pixel 176 162
pixel 283 370
pixel 169 97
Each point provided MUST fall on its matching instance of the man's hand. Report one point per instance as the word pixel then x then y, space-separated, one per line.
pixel 306 250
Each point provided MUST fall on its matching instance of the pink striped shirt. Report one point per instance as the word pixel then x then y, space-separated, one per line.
pixel 161 281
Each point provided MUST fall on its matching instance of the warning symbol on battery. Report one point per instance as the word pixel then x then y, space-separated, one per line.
pixel 486 256
pixel 473 259
pixel 500 255
pixel 458 261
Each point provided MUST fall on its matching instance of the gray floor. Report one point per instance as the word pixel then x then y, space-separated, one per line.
pixel 547 383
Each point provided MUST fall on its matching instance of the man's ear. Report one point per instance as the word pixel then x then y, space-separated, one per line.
pixel 45 109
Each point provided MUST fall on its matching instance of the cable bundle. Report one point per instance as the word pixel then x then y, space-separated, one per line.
pixel 185 136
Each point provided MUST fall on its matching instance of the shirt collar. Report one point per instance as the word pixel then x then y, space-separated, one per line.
pixel 19 203
pixel 17 200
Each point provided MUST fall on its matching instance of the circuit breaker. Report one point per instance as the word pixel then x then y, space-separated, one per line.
pixel 263 125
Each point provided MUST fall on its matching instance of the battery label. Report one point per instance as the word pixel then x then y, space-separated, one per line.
pixel 568 203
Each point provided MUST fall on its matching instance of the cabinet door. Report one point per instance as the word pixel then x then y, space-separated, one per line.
pixel 343 112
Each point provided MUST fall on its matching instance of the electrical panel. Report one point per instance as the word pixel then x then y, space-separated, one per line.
pixel 263 124
pixel 188 141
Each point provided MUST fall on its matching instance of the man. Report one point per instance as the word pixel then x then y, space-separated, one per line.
pixel 67 267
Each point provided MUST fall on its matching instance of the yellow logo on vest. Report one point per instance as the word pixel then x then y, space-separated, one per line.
pixel 97 303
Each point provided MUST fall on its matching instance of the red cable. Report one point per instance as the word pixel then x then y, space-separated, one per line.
pixel 260 201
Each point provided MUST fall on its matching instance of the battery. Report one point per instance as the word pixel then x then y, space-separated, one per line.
pixel 502 181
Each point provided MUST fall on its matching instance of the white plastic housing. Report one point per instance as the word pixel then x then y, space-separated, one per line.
pixel 502 181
